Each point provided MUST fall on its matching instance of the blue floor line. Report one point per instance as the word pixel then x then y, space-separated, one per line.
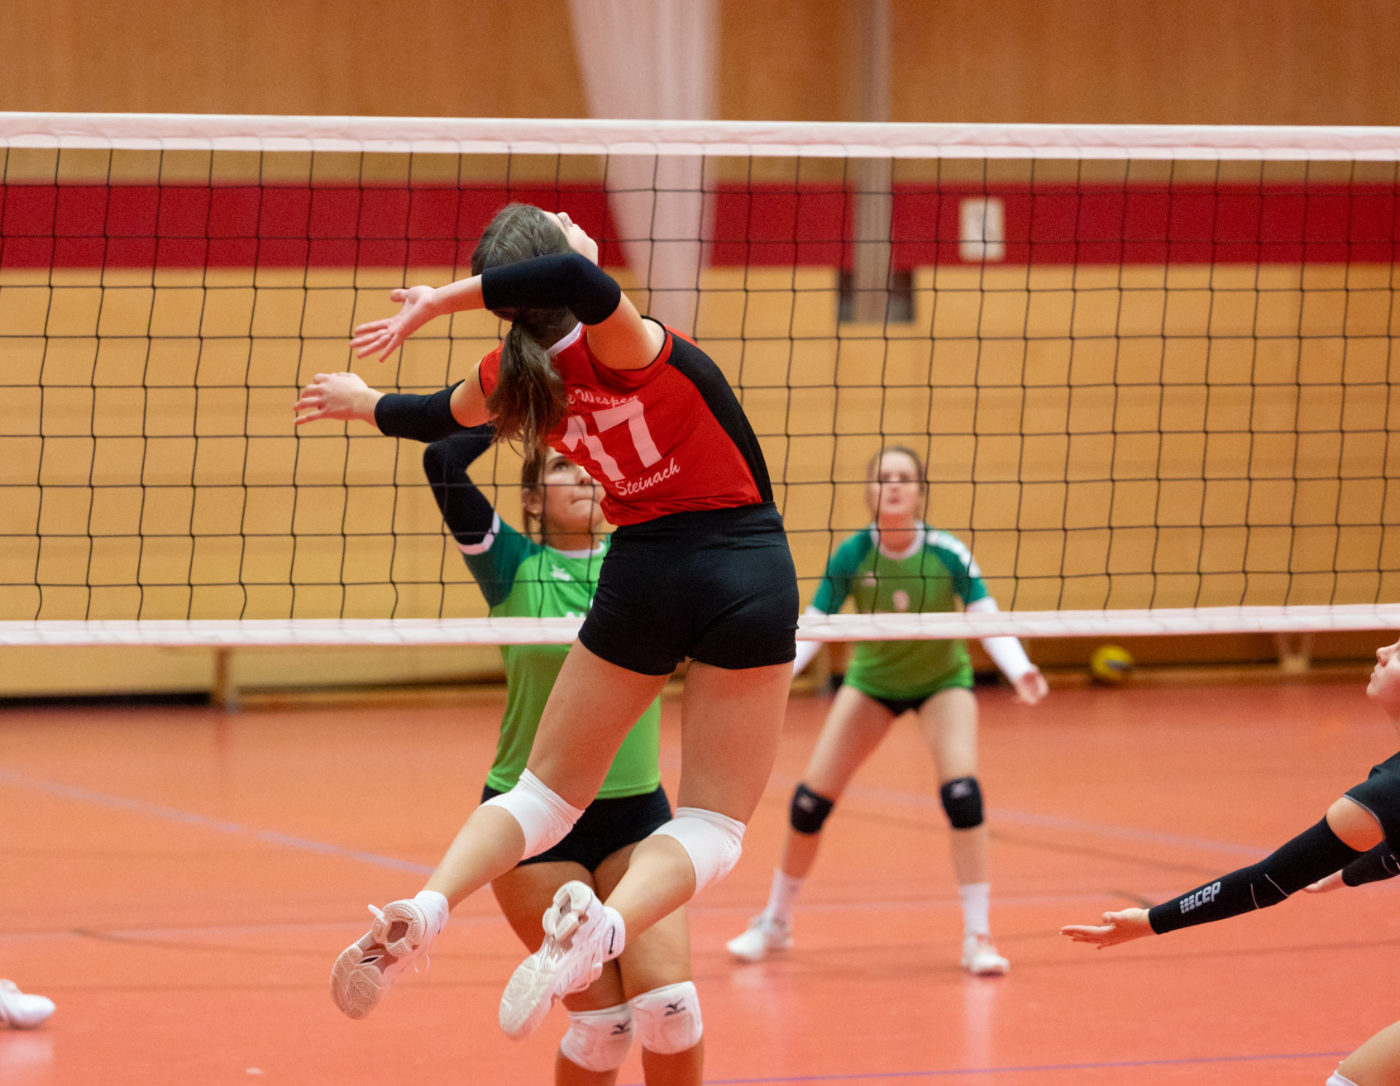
pixel 189 818
pixel 1029 1068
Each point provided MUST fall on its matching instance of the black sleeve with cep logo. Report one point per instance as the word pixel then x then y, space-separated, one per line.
pixel 1312 855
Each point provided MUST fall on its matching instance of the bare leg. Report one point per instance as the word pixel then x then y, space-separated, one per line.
pixel 1377 1062
pixel 949 721
pixel 590 710
pixel 729 738
pixel 657 957
pixel 854 727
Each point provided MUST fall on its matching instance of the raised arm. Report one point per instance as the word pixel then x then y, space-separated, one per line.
pixel 493 550
pixel 346 397
pixel 617 334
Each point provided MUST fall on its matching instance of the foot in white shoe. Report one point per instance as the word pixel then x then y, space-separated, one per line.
pixel 766 935
pixel 580 934
pixel 980 957
pixel 401 933
pixel 19 1010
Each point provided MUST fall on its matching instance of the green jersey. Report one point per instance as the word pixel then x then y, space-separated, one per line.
pixel 521 578
pixel 933 575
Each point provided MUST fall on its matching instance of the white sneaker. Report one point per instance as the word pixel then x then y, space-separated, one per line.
pixel 20 1011
pixel 400 933
pixel 580 934
pixel 766 935
pixel 980 957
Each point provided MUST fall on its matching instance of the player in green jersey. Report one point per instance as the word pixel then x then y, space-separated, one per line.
pixel 899 563
pixel 648 990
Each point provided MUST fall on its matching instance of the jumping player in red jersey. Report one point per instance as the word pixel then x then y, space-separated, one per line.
pixel 699 568
pixel 1356 842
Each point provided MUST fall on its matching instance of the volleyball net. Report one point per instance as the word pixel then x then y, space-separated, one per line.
pixel 1149 368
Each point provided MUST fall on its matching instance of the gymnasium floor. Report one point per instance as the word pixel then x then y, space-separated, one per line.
pixel 180 882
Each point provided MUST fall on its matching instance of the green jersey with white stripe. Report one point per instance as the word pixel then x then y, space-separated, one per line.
pixel 521 578
pixel 933 575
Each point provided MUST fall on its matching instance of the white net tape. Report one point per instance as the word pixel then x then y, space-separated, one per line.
pixel 437 135
pixel 879 627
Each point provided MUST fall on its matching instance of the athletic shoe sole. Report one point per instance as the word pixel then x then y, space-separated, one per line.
pixel 551 972
pixel 363 973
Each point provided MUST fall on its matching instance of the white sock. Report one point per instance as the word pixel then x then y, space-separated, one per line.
pixel 1340 1079
pixel 782 895
pixel 437 908
pixel 976 900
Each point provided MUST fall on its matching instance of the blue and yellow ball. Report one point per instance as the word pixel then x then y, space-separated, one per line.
pixel 1111 664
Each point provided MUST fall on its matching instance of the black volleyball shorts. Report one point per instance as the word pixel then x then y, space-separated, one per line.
pixel 605 826
pixel 714 585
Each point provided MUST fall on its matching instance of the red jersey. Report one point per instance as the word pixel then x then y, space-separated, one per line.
pixel 667 438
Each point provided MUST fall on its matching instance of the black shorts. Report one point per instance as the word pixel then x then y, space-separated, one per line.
pixel 1380 794
pixel 606 826
pixel 715 585
pixel 900 706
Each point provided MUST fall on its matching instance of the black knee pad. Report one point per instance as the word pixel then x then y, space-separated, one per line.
pixel 809 810
pixel 962 800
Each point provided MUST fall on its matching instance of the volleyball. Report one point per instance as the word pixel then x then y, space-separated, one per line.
pixel 1110 664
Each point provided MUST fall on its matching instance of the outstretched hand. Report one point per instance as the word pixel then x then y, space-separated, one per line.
pixel 336 396
pixel 1031 687
pixel 1120 927
pixel 384 337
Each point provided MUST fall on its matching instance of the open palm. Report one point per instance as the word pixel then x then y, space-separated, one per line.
pixel 384 337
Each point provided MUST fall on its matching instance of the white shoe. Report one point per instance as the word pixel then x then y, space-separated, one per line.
pixel 400 933
pixel 980 957
pixel 766 935
pixel 580 934
pixel 20 1011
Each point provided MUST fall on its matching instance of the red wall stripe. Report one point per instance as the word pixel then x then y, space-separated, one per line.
pixel 144 226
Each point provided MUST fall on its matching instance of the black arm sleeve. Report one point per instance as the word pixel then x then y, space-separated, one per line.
pixel 563 281
pixel 1312 855
pixel 419 418
pixel 465 509
pixel 1374 866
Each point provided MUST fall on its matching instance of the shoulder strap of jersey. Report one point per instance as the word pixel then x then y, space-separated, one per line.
pixel 953 553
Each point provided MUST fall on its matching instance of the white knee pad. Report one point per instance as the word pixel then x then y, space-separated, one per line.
pixel 713 842
pixel 599 1040
pixel 668 1019
pixel 545 818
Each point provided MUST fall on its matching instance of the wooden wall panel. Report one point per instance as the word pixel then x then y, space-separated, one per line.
pixel 493 58
pixel 1169 61
pixel 1147 61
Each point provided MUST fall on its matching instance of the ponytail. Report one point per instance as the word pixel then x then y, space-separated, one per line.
pixel 528 401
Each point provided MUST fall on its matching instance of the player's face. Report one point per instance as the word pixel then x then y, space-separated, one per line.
pixel 578 239
pixel 1385 680
pixel 571 497
pixel 896 492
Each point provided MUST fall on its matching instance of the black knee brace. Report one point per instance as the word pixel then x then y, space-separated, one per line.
pixel 809 810
pixel 962 800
